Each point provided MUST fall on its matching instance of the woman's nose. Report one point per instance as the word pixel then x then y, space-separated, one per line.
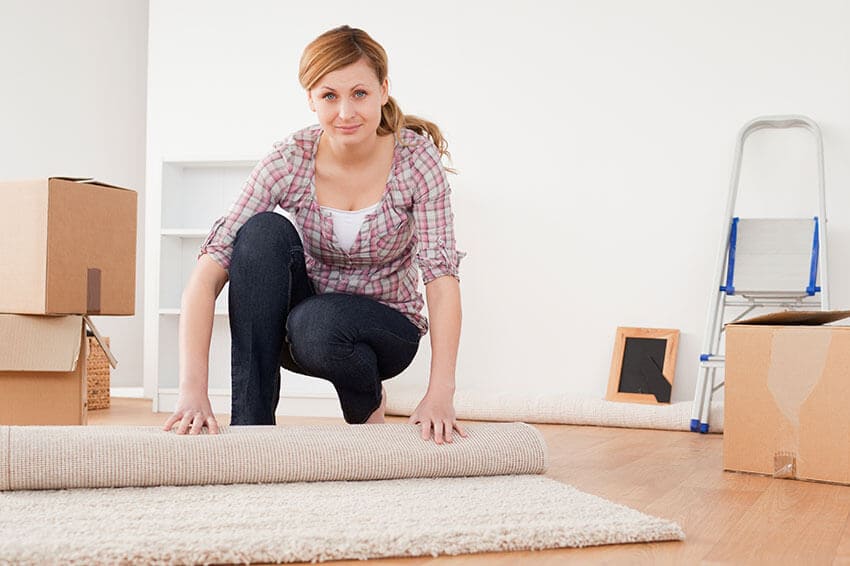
pixel 346 109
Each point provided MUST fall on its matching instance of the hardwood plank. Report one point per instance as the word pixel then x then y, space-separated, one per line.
pixel 842 553
pixel 791 522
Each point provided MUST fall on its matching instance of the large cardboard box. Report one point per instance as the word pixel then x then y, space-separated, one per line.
pixel 43 369
pixel 68 247
pixel 787 398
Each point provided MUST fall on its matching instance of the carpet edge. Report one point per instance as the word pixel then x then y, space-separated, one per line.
pixel 5 458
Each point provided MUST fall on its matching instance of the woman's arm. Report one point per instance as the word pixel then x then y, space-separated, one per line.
pixel 437 257
pixel 193 410
pixel 444 312
pixel 436 410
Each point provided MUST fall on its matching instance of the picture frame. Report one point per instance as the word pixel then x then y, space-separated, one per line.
pixel 643 365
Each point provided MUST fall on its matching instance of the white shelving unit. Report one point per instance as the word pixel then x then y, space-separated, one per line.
pixel 181 206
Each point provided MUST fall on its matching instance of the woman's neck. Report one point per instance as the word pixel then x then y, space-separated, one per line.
pixel 350 155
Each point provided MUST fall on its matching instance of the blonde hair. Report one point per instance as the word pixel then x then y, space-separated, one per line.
pixel 343 46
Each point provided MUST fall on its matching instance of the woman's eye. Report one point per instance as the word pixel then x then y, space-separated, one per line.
pixel 356 93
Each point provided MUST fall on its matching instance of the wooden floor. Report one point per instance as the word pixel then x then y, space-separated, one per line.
pixel 727 517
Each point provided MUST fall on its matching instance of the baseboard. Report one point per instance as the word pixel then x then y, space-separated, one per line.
pixel 130 392
pixel 291 405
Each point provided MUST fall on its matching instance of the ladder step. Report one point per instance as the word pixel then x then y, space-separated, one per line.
pixel 711 361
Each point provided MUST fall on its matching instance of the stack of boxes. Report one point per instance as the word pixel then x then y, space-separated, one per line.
pixel 67 250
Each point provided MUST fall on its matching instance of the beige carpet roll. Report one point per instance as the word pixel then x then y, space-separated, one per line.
pixel 559 409
pixel 60 457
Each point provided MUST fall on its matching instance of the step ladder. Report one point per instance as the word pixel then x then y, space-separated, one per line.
pixel 776 263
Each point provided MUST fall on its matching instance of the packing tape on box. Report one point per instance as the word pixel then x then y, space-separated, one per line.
pixel 785 465
pixel 791 380
pixel 93 287
pixel 62 457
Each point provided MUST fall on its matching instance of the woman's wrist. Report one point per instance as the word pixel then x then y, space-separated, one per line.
pixel 441 388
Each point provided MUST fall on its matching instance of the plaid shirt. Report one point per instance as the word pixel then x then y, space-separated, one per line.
pixel 412 226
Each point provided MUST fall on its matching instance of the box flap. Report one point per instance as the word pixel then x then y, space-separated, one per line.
pixel 112 361
pixel 90 181
pixel 796 318
pixel 40 343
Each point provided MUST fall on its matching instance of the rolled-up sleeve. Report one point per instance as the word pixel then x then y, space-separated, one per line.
pixel 436 254
pixel 267 186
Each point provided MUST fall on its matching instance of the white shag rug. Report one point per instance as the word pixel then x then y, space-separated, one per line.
pixel 558 409
pixel 312 521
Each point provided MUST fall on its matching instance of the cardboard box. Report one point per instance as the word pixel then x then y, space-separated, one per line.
pixel 68 247
pixel 787 399
pixel 43 369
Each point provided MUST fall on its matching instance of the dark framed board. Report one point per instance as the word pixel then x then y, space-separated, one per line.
pixel 643 365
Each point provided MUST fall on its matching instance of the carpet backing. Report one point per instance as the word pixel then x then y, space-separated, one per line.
pixel 57 457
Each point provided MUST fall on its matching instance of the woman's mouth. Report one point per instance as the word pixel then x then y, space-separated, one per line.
pixel 348 129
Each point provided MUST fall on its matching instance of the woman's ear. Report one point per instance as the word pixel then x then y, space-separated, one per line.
pixel 310 103
pixel 385 91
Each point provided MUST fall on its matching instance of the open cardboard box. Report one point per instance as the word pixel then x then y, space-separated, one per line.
pixel 787 399
pixel 68 247
pixel 43 369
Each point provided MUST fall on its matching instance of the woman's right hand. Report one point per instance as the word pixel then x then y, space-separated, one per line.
pixel 193 412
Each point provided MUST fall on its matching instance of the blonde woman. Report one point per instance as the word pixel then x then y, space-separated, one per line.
pixel 367 189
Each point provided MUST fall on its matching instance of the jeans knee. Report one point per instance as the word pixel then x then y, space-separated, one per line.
pixel 265 235
pixel 315 336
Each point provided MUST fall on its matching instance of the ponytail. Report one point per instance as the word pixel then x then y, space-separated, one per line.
pixel 393 120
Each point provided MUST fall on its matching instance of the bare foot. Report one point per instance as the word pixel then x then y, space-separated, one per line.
pixel 378 416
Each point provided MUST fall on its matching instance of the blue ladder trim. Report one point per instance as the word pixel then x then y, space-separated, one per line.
pixel 729 288
pixel 694 425
pixel 704 357
pixel 703 428
pixel 813 271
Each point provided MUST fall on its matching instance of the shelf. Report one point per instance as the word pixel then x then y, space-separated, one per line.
pixel 195 194
pixel 171 312
pixel 185 232
pixel 211 163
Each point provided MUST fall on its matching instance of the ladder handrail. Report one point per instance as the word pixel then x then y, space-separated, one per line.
pixel 786 122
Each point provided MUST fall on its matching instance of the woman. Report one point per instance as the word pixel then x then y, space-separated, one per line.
pixel 368 191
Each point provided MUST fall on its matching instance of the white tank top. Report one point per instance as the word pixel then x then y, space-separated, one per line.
pixel 347 223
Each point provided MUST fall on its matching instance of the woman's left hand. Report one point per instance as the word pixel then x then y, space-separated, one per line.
pixel 436 412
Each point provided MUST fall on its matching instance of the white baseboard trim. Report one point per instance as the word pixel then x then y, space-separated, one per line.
pixel 131 392
pixel 291 405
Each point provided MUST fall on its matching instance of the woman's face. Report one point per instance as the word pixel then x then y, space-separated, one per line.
pixel 348 102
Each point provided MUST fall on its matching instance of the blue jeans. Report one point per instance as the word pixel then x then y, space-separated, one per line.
pixel 277 319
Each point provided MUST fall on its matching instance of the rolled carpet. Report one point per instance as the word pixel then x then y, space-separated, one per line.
pixel 62 457
pixel 559 409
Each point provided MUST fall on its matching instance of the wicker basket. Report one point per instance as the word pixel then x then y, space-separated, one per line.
pixel 97 369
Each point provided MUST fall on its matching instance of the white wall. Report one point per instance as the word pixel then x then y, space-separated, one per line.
pixel 72 102
pixel 585 132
